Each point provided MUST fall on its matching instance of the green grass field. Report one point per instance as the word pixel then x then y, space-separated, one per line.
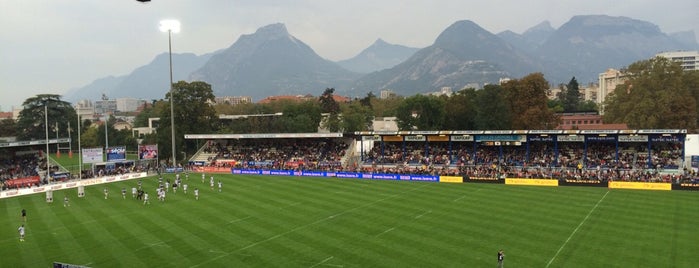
pixel 259 221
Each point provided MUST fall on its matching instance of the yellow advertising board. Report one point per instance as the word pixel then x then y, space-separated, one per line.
pixel 452 179
pixel 393 138
pixel 532 182
pixel 660 186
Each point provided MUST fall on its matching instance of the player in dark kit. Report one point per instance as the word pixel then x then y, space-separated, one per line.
pixel 24 215
pixel 501 258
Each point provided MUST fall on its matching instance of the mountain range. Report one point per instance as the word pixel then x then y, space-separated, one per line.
pixel 273 62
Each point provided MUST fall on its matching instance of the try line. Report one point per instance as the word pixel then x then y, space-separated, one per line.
pixel 576 229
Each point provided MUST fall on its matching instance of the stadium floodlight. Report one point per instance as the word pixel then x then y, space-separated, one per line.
pixel 171 26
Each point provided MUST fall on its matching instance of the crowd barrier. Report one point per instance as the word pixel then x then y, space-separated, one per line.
pixel 70 184
pixel 661 186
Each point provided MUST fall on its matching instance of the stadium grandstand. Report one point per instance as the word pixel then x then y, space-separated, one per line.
pixel 657 155
pixel 23 164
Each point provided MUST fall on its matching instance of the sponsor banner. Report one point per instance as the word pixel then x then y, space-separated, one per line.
pixel 280 172
pixel 661 186
pixel 600 138
pixel 11 193
pixel 260 163
pixel 570 138
pixel 345 175
pixel 148 151
pixel 392 138
pixel 415 138
pixel 695 161
pixel 199 163
pixel 686 186
pixel 480 138
pixel 246 171
pixel 116 153
pixel 424 178
pixel 672 138
pixel 314 173
pixel 214 169
pixel 589 183
pixel 633 138
pixel 483 180
pixel 438 138
pixel 173 170
pixel 92 155
pixel 61 176
pixel 461 138
pixel 67 185
pixel 452 179
pixel 541 138
pixel 22 182
pixel 381 176
pixel 371 138
pixel 533 182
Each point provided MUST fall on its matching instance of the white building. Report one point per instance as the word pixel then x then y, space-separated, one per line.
pixel 385 94
pixel 128 104
pixel 608 81
pixel 688 59
pixel 84 108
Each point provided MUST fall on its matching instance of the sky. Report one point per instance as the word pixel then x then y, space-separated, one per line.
pixel 51 46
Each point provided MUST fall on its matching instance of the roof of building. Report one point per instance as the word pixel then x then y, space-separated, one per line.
pixel 5 115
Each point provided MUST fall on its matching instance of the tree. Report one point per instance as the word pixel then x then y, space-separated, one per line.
pixel 527 101
pixel 461 108
pixel 385 107
pixel 571 97
pixel 151 110
pixel 8 128
pixel 422 113
pixel 657 95
pixel 31 123
pixel 356 117
pixel 300 118
pixel 329 106
pixel 493 111
pixel 366 101
pixel 193 115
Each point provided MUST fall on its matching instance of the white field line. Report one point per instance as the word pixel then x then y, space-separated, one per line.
pixel 323 261
pixel 576 229
pixel 388 230
pixel 239 220
pixel 310 224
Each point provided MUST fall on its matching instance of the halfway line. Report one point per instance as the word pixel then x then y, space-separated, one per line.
pixel 576 229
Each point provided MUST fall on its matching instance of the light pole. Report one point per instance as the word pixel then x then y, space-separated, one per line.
pixel 171 26
pixel 80 150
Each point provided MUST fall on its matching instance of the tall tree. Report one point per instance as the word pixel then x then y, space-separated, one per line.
pixel 527 98
pixel 421 112
pixel 329 106
pixel 461 110
pixel 356 117
pixel 492 111
pixel 193 115
pixel 8 128
pixel 31 126
pixel 657 95
pixel 385 107
pixel 300 117
pixel 571 97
